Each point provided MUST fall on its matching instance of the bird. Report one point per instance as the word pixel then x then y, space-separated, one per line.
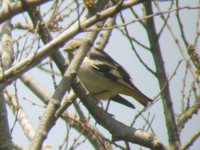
pixel 103 77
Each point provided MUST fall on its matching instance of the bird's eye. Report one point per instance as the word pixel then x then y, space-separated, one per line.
pixel 77 47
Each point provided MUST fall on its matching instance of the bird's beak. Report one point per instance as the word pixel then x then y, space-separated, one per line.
pixel 67 49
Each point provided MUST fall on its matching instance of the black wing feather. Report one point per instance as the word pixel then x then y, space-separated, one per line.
pixel 108 66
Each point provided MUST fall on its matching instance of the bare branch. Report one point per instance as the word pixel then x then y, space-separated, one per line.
pixel 186 115
pixel 42 53
pixel 174 139
pixel 192 140
pixel 16 8
pixel 118 130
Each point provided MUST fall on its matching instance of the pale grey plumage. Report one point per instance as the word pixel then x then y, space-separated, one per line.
pixel 103 77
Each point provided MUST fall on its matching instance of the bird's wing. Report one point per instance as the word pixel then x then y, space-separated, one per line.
pixel 122 100
pixel 105 65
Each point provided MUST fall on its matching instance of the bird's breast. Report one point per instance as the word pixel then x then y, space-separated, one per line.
pixel 96 83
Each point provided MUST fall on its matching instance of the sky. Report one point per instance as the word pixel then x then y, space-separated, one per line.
pixel 119 48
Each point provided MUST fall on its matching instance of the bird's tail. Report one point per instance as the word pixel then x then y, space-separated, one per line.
pixel 121 100
pixel 138 95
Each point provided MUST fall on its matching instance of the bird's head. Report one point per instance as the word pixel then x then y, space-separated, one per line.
pixel 73 45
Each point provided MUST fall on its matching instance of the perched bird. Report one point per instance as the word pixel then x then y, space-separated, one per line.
pixel 103 77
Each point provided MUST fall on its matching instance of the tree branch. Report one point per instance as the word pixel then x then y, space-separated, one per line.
pixel 15 8
pixel 172 130
pixel 118 130
pixel 59 41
